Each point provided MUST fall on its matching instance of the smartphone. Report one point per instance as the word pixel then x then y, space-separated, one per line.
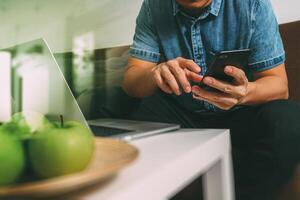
pixel 236 58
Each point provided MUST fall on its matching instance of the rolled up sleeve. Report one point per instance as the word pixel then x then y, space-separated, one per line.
pixel 145 42
pixel 266 44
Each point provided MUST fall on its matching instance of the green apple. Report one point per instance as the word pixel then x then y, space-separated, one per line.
pixel 26 123
pixel 12 157
pixel 65 148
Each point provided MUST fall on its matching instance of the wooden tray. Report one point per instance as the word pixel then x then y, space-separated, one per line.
pixel 110 156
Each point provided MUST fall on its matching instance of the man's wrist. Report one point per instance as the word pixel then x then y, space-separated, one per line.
pixel 250 90
pixel 150 76
pixel 151 79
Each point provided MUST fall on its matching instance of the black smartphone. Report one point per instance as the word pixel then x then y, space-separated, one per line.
pixel 236 58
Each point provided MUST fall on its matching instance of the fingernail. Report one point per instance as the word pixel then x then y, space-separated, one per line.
pixel 228 69
pixel 188 89
pixel 196 91
pixel 208 80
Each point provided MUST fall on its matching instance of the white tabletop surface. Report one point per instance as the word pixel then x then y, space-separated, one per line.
pixel 166 164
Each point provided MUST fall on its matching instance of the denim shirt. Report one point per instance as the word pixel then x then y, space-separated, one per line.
pixel 164 32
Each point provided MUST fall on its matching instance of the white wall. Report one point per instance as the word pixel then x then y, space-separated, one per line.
pixel 287 10
pixel 111 21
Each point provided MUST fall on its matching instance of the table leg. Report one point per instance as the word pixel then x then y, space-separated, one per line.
pixel 218 181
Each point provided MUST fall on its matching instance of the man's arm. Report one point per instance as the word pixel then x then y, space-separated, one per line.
pixel 142 78
pixel 138 81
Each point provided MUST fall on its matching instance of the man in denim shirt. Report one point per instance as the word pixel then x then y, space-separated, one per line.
pixel 169 56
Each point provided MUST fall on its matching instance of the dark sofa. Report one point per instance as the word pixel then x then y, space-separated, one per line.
pixel 291 38
pixel 290 33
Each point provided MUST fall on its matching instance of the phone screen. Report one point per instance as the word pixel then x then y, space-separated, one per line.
pixel 236 58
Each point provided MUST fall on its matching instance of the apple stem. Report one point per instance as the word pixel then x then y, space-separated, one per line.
pixel 61 121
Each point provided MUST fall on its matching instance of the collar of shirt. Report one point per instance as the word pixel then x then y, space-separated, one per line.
pixel 213 8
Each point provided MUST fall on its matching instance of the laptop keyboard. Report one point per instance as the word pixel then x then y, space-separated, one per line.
pixel 107 131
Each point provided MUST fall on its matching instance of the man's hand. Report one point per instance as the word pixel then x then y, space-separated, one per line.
pixel 173 74
pixel 229 95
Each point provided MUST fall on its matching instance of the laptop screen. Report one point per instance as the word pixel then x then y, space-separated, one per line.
pixel 33 81
pixel 95 77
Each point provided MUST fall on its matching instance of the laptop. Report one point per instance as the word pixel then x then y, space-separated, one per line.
pixel 45 90
pixel 128 129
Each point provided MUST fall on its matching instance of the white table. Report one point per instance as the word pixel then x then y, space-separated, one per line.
pixel 169 162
